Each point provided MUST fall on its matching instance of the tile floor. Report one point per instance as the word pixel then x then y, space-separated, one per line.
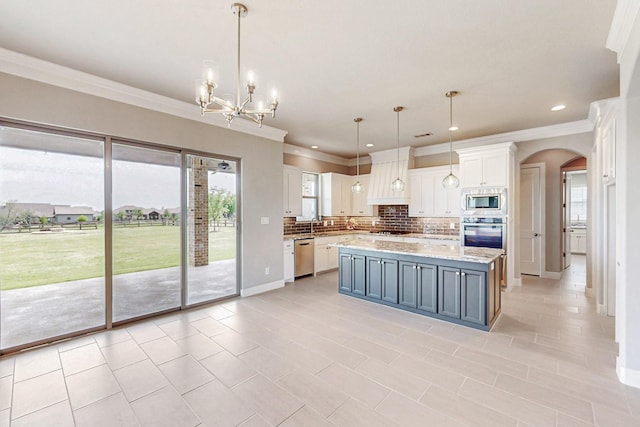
pixel 306 356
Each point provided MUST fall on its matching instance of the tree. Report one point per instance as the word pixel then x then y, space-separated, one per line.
pixel 165 216
pixel 26 217
pixel 9 215
pixel 137 213
pixel 43 221
pixel 120 216
pixel 82 218
pixel 217 205
pixel 230 204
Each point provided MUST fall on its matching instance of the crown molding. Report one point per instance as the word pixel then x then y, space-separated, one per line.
pixel 623 19
pixel 562 129
pixel 315 155
pixel 32 68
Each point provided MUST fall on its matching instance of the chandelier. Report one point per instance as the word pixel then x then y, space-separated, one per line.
pixel 228 108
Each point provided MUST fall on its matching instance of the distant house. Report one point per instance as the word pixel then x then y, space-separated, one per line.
pixel 152 214
pixel 128 211
pixel 36 210
pixel 70 214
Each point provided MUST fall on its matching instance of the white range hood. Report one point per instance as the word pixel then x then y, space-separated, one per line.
pixel 384 170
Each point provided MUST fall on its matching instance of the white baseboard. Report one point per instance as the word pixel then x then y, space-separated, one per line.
pixel 601 310
pixel 514 281
pixel 630 377
pixel 551 275
pixel 266 287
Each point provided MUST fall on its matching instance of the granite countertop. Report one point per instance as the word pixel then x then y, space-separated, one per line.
pixel 320 234
pixel 347 232
pixel 450 252
pixel 433 236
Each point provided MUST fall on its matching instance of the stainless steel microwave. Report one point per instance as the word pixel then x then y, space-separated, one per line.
pixel 484 201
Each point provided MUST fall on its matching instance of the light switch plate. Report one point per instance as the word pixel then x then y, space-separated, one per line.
pixel 264 220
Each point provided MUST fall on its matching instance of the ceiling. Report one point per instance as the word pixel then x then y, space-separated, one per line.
pixel 332 61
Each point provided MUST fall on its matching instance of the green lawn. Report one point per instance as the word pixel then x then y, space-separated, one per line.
pixel 33 259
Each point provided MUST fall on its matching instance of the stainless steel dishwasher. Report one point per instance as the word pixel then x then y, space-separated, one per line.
pixel 304 257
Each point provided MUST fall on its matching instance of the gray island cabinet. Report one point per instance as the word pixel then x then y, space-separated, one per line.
pixel 450 283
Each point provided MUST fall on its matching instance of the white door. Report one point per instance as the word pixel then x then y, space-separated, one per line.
pixel 530 221
pixel 566 213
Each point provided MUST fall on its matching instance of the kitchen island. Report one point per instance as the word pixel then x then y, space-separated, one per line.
pixel 448 282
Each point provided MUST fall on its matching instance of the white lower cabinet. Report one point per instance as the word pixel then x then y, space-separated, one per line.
pixel 289 261
pixel 578 241
pixel 326 255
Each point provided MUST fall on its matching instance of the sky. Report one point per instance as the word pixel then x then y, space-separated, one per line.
pixel 39 177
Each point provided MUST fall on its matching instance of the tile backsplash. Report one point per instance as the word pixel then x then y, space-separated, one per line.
pixel 390 217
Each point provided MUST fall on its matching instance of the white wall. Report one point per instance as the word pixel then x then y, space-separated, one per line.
pixel 261 159
pixel 627 200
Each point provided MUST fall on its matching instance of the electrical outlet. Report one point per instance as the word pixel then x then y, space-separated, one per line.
pixel 331 222
pixel 452 225
pixel 264 220
pixel 324 223
pixel 266 271
pixel 373 223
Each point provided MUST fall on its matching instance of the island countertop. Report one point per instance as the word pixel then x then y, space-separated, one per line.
pixel 449 252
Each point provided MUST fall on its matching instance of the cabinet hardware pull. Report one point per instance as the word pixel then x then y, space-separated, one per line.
pixel 418 267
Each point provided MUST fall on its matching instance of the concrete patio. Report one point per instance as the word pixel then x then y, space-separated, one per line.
pixel 40 312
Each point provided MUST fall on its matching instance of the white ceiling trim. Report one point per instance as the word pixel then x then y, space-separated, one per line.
pixel 563 129
pixel 623 18
pixel 46 72
pixel 317 155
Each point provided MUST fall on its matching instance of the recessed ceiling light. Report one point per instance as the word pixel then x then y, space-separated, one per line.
pixel 454 128
pixel 314 146
pixel 369 145
pixel 558 107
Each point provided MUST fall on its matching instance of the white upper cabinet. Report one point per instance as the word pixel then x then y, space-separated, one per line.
pixel 336 194
pixel 292 191
pixel 421 193
pixel 486 166
pixel 428 197
pixel 447 200
pixel 359 206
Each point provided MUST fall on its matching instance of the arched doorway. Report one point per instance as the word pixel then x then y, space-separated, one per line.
pixel 550 155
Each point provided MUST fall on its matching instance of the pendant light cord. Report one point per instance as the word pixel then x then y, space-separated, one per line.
pixel 450 141
pixel 358 150
pixel 398 135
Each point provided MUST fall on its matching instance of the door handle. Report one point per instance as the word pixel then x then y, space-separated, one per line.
pixel 457 273
pixel 536 235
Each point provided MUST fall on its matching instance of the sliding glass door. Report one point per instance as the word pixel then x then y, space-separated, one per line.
pixel 146 231
pixel 212 234
pixel 95 232
pixel 52 261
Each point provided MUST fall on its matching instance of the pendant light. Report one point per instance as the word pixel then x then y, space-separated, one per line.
pixel 357 187
pixel 451 181
pixel 398 184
